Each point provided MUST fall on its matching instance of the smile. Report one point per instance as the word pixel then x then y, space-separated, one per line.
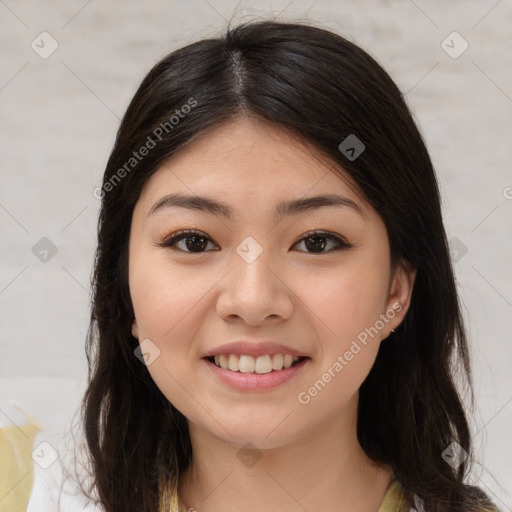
pixel 248 364
pixel 251 373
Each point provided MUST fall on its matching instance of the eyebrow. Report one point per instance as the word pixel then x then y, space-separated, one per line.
pixel 282 210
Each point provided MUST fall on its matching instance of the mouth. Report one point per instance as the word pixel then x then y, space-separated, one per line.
pixel 263 364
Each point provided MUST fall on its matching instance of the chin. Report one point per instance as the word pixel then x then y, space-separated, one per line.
pixel 264 435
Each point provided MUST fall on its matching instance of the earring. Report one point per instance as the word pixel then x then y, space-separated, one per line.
pixel 392 330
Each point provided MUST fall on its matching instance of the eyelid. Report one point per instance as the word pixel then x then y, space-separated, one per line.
pixel 180 235
pixel 323 233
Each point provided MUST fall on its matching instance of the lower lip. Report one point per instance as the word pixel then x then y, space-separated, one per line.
pixel 255 381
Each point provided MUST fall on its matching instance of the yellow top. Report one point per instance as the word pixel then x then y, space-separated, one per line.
pixel 393 499
pixel 16 463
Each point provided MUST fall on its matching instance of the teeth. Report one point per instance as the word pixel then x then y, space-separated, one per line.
pixel 263 364
pixel 246 364
pixel 223 360
pixel 277 362
pixel 233 362
pixel 250 364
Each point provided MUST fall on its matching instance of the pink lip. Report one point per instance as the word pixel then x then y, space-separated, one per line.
pixel 253 381
pixel 254 349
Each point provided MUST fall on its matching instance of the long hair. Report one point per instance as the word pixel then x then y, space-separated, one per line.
pixel 320 88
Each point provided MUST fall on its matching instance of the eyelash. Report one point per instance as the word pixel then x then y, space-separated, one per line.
pixel 183 234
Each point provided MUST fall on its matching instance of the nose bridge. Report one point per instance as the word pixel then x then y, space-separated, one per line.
pixel 251 263
pixel 249 250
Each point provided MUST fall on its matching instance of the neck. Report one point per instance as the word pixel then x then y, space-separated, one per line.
pixel 321 470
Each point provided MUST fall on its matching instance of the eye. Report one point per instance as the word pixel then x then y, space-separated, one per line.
pixel 317 241
pixel 195 241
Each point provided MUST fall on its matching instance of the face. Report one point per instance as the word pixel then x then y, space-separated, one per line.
pixel 266 277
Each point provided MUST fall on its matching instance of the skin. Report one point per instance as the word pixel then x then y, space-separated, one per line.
pixel 188 303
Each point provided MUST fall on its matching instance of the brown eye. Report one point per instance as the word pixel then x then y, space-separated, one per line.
pixel 196 242
pixel 193 241
pixel 317 241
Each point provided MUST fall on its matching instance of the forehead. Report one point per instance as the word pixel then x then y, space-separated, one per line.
pixel 252 159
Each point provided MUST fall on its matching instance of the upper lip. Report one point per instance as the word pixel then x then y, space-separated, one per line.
pixel 253 348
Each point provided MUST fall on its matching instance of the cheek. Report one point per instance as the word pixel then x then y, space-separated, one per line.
pixel 166 305
pixel 345 302
pixel 344 306
pixel 162 297
pixel 171 306
pixel 345 311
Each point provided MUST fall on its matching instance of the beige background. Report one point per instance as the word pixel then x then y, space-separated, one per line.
pixel 59 116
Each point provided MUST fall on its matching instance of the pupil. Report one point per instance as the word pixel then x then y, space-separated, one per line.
pixel 192 246
pixel 319 245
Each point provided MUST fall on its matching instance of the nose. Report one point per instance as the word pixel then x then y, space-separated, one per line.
pixel 255 292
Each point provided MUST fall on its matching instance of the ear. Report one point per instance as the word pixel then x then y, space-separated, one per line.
pixel 399 295
pixel 135 329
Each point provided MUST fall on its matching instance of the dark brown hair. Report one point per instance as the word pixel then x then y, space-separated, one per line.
pixel 321 88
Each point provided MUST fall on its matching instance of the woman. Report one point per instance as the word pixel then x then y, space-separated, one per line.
pixel 274 308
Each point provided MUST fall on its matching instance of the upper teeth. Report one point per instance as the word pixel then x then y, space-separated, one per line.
pixel 250 364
